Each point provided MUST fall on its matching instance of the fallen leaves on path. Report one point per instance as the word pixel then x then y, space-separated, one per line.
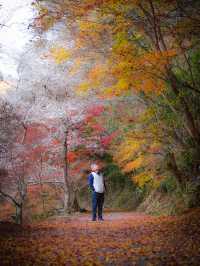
pixel 123 239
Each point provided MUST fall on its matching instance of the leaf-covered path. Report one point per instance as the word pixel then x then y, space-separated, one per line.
pixel 122 239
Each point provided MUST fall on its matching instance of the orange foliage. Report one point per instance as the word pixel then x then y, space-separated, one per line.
pixel 71 156
pixel 56 142
pixel 134 164
pixel 122 239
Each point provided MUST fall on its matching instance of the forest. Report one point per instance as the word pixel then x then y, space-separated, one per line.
pixel 111 82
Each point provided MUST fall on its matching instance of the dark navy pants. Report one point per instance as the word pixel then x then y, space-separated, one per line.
pixel 97 204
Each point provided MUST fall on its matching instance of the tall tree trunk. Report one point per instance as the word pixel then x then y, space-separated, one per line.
pixel 41 185
pixel 194 131
pixel 19 214
pixel 158 36
pixel 74 202
pixel 66 178
pixel 18 218
pixel 172 165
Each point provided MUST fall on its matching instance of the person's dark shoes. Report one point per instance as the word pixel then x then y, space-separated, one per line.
pixel 100 219
pixel 93 219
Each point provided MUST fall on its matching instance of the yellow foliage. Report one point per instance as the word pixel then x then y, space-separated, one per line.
pixel 140 72
pixel 122 84
pixel 76 66
pixel 83 87
pixel 157 58
pixel 146 115
pixel 108 92
pixel 137 163
pixel 127 150
pixel 91 32
pixel 94 78
pixel 142 178
pixel 122 45
pixel 156 181
pixel 88 26
pixel 60 54
pixel 97 73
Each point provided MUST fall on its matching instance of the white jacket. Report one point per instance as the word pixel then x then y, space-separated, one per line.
pixel 98 182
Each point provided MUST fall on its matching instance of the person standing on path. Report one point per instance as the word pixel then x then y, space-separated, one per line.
pixel 97 184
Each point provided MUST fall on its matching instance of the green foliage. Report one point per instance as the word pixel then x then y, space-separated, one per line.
pixel 187 159
pixel 190 194
pixel 43 216
pixel 156 58
pixel 168 185
pixel 114 174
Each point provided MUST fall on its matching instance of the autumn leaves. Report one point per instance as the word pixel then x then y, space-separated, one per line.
pixel 138 49
pixel 123 239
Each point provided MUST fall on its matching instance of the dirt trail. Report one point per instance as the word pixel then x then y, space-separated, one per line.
pixel 123 239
